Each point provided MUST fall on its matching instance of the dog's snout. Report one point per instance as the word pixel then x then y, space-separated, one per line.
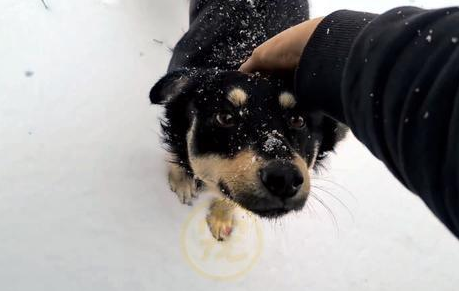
pixel 281 179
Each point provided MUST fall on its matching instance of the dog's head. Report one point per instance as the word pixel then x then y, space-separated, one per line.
pixel 244 136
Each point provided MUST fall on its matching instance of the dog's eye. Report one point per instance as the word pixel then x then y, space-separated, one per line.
pixel 225 120
pixel 297 122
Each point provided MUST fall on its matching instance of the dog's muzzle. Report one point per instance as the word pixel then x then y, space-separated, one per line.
pixel 283 190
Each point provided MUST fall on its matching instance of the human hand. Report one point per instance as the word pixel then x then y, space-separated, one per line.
pixel 283 51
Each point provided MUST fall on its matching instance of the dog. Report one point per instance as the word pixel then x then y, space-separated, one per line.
pixel 239 135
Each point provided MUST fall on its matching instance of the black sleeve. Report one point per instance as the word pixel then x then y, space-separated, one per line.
pixel 394 79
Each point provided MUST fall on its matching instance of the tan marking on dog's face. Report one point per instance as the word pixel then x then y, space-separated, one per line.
pixel 240 173
pixel 304 169
pixel 238 97
pixel 287 100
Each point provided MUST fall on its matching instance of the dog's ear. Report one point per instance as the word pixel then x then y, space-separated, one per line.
pixel 170 86
pixel 334 132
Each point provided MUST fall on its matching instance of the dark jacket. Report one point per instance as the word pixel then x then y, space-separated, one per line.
pixel 394 80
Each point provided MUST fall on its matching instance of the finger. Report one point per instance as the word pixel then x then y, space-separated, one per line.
pixel 248 66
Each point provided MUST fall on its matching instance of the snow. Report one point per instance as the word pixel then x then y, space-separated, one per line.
pixel 272 142
pixel 84 203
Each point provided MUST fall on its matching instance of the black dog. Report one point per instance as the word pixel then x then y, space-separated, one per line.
pixel 241 135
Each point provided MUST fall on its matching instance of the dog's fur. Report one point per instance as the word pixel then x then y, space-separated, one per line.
pixel 223 127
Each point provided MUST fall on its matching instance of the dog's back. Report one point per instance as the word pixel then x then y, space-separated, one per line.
pixel 223 33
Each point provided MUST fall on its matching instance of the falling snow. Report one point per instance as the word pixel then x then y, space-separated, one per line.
pixel 353 166
pixel 252 3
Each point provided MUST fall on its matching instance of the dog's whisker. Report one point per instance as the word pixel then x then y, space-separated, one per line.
pixel 318 178
pixel 336 198
pixel 328 210
pixel 310 208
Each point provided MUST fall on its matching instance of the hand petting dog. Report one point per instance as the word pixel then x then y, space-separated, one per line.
pixel 282 52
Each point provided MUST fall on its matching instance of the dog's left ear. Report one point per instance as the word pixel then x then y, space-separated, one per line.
pixel 334 132
pixel 170 87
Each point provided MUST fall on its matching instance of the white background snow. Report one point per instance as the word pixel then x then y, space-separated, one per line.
pixel 84 203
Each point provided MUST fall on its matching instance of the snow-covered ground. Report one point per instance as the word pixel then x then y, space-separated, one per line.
pixel 84 203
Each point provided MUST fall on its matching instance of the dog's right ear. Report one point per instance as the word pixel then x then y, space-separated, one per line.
pixel 170 86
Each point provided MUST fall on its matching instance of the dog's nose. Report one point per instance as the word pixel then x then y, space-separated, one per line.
pixel 281 179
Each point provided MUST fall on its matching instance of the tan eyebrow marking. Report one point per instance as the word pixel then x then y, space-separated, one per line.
pixel 287 100
pixel 238 97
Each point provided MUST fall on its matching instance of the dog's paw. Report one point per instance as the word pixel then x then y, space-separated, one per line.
pixel 221 219
pixel 220 227
pixel 183 185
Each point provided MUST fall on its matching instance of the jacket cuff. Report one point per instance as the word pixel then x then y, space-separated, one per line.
pixel 319 74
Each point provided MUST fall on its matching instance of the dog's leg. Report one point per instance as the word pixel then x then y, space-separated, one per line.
pixel 220 218
pixel 185 186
